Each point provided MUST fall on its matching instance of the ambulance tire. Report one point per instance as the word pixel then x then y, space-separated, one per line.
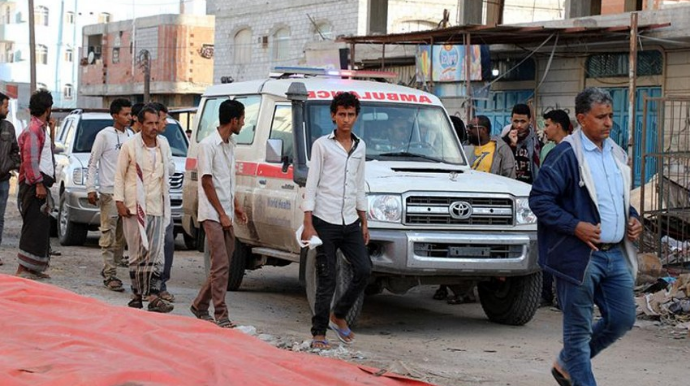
pixel 511 300
pixel 343 277
pixel 238 264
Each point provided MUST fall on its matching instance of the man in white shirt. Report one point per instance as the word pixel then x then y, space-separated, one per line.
pixel 141 195
pixel 218 207
pixel 103 160
pixel 335 210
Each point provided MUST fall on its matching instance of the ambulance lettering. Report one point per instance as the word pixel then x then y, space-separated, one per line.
pixel 369 95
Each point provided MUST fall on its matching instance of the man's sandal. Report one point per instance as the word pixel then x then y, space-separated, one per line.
pixel 320 344
pixel 344 334
pixel 225 323
pixel 440 293
pixel 560 377
pixel 203 315
pixel 160 305
pixel 167 296
pixel 136 302
pixel 114 284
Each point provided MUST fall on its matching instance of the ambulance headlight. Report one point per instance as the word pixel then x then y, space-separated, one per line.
pixel 384 208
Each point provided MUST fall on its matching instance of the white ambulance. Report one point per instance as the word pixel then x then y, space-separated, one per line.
pixel 432 219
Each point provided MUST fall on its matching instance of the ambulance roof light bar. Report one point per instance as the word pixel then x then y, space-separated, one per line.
pixel 281 72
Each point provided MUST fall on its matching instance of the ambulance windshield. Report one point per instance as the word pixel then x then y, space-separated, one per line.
pixel 395 132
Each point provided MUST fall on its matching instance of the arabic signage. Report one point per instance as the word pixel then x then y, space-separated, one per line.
pixel 446 63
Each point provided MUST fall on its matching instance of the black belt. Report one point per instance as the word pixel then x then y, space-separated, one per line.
pixel 606 246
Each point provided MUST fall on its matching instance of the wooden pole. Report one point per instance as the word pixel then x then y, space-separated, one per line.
pixel 468 81
pixel 632 86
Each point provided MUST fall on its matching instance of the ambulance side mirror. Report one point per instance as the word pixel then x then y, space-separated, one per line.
pixel 297 94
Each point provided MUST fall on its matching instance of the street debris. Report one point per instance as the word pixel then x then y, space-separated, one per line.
pixel 666 300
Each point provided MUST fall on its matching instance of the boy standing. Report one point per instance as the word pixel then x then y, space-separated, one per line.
pixel 335 210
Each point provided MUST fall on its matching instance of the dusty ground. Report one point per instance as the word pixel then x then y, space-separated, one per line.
pixel 411 334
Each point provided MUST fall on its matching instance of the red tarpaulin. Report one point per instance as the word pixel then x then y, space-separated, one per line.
pixel 51 336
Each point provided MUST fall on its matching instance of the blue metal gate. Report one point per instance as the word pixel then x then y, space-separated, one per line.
pixel 499 105
pixel 620 132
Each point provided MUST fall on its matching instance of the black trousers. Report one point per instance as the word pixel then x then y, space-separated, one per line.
pixel 349 239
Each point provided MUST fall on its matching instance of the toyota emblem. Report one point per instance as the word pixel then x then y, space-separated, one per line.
pixel 460 210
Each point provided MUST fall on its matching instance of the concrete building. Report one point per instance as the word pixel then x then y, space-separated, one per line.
pixel 252 40
pixel 548 74
pixel 179 50
pixel 58 25
pixel 58 41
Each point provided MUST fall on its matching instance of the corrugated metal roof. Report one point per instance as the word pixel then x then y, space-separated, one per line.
pixel 501 34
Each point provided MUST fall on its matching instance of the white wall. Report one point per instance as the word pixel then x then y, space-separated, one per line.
pixel 348 17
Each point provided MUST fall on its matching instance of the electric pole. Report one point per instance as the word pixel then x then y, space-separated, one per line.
pixel 32 48
pixel 145 59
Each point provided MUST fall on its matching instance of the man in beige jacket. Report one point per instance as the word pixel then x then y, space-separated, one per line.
pixel 141 196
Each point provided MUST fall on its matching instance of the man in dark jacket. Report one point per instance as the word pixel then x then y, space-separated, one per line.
pixel 9 157
pixel 585 230
pixel 523 140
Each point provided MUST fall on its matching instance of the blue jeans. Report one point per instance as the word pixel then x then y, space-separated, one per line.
pixel 608 283
pixel 4 193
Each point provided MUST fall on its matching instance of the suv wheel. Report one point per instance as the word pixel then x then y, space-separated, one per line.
pixel 238 264
pixel 69 233
pixel 512 301
pixel 189 242
pixel 343 278
pixel 200 239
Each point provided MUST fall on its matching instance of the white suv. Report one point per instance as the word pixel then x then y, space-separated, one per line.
pixel 432 219
pixel 74 214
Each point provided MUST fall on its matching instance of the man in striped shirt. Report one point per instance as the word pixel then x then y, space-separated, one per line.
pixel 36 176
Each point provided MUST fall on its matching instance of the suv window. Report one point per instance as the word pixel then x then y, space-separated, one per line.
pixel 86 133
pixel 65 135
pixel 176 138
pixel 281 128
pixel 209 118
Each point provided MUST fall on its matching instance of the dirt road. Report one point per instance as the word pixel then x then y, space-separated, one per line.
pixel 411 334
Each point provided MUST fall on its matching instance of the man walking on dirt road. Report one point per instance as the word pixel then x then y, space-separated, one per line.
pixel 335 210
pixel 585 230
pixel 103 160
pixel 218 207
pixel 141 195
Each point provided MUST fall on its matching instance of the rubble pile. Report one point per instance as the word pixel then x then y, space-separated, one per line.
pixel 663 297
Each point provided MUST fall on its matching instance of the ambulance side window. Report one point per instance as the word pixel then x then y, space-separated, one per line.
pixel 281 128
pixel 209 118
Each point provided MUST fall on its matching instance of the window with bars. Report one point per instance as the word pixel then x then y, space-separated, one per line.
pixel 243 46
pixel 617 64
pixel 281 44
pixel 68 91
pixel 41 54
pixel 41 15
